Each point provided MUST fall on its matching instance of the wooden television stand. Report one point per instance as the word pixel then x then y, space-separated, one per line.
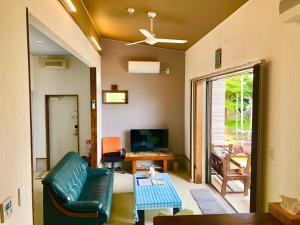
pixel 158 156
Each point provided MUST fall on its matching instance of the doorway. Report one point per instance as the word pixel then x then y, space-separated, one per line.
pixel 62 127
pixel 225 138
pixel 57 97
pixel 230 131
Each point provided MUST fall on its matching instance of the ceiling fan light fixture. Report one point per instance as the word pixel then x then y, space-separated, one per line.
pixel 151 39
pixel 69 4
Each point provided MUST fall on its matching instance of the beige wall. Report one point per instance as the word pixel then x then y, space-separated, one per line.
pixel 255 32
pixel 15 154
pixel 15 163
pixel 74 80
pixel 155 101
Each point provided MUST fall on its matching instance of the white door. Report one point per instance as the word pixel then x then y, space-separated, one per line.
pixel 63 126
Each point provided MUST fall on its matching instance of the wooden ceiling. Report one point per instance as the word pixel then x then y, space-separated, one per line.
pixel 178 19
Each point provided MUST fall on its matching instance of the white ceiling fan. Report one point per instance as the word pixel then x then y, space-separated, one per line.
pixel 150 36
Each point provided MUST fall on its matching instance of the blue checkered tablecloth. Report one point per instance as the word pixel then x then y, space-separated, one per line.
pixel 155 196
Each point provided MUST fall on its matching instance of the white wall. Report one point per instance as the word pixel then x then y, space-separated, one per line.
pixel 218 112
pixel 251 33
pixel 75 80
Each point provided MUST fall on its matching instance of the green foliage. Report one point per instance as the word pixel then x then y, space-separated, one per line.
pixel 233 90
pixel 233 98
pixel 230 124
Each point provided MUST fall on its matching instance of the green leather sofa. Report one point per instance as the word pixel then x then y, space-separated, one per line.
pixel 75 194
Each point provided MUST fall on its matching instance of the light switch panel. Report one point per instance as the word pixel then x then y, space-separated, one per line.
pixel 21 195
pixel 93 104
pixel 6 209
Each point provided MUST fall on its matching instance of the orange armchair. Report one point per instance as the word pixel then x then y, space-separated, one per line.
pixel 112 152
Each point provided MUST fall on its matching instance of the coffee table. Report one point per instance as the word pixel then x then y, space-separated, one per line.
pixel 154 197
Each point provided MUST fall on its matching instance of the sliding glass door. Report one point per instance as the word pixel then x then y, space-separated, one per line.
pixel 225 135
pixel 232 126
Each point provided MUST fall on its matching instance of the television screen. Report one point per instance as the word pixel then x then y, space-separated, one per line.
pixel 149 140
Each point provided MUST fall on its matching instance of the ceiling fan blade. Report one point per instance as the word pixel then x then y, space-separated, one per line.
pixel 146 33
pixel 134 43
pixel 175 41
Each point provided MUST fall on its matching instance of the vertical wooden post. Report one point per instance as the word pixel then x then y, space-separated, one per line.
pixel 93 95
pixel 133 167
pixel 165 166
pixel 198 130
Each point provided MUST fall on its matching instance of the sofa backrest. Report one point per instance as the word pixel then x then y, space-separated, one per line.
pixel 67 178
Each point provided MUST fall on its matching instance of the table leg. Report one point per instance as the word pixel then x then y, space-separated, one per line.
pixel 141 215
pixel 165 166
pixel 133 167
pixel 175 210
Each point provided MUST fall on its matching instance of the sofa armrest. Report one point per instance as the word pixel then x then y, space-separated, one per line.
pixel 98 172
pixel 84 206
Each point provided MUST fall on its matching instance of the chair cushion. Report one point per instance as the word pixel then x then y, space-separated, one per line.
pixel 67 178
pixel 113 157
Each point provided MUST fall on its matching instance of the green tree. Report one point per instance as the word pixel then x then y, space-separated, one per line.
pixel 233 89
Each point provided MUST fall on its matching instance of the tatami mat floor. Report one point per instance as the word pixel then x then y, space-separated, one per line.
pixel 122 207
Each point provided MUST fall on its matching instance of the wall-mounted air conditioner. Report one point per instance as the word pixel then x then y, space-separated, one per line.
pixel 58 64
pixel 289 11
pixel 143 67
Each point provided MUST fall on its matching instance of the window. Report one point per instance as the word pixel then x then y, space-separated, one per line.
pixel 115 97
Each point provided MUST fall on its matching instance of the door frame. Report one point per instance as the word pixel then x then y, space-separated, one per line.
pixel 47 97
pixel 255 188
pixel 93 106
pixel 30 111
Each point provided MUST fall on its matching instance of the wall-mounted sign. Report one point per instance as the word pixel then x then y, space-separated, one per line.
pixel 218 58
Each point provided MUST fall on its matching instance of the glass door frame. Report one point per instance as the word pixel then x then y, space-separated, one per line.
pixel 255 188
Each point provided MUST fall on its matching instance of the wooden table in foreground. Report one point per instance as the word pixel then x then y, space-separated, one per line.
pixel 159 156
pixel 228 219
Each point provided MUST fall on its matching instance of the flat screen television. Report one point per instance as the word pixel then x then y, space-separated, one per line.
pixel 149 140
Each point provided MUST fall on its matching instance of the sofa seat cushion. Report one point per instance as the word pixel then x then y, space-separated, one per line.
pixel 84 206
pixel 99 187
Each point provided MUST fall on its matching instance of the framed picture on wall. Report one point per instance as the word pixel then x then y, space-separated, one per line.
pixel 218 58
pixel 114 97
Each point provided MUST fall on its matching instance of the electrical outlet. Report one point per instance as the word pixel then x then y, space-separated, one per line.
pixel 6 209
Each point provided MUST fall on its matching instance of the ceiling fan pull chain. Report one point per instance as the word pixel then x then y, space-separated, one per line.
pixel 151 25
